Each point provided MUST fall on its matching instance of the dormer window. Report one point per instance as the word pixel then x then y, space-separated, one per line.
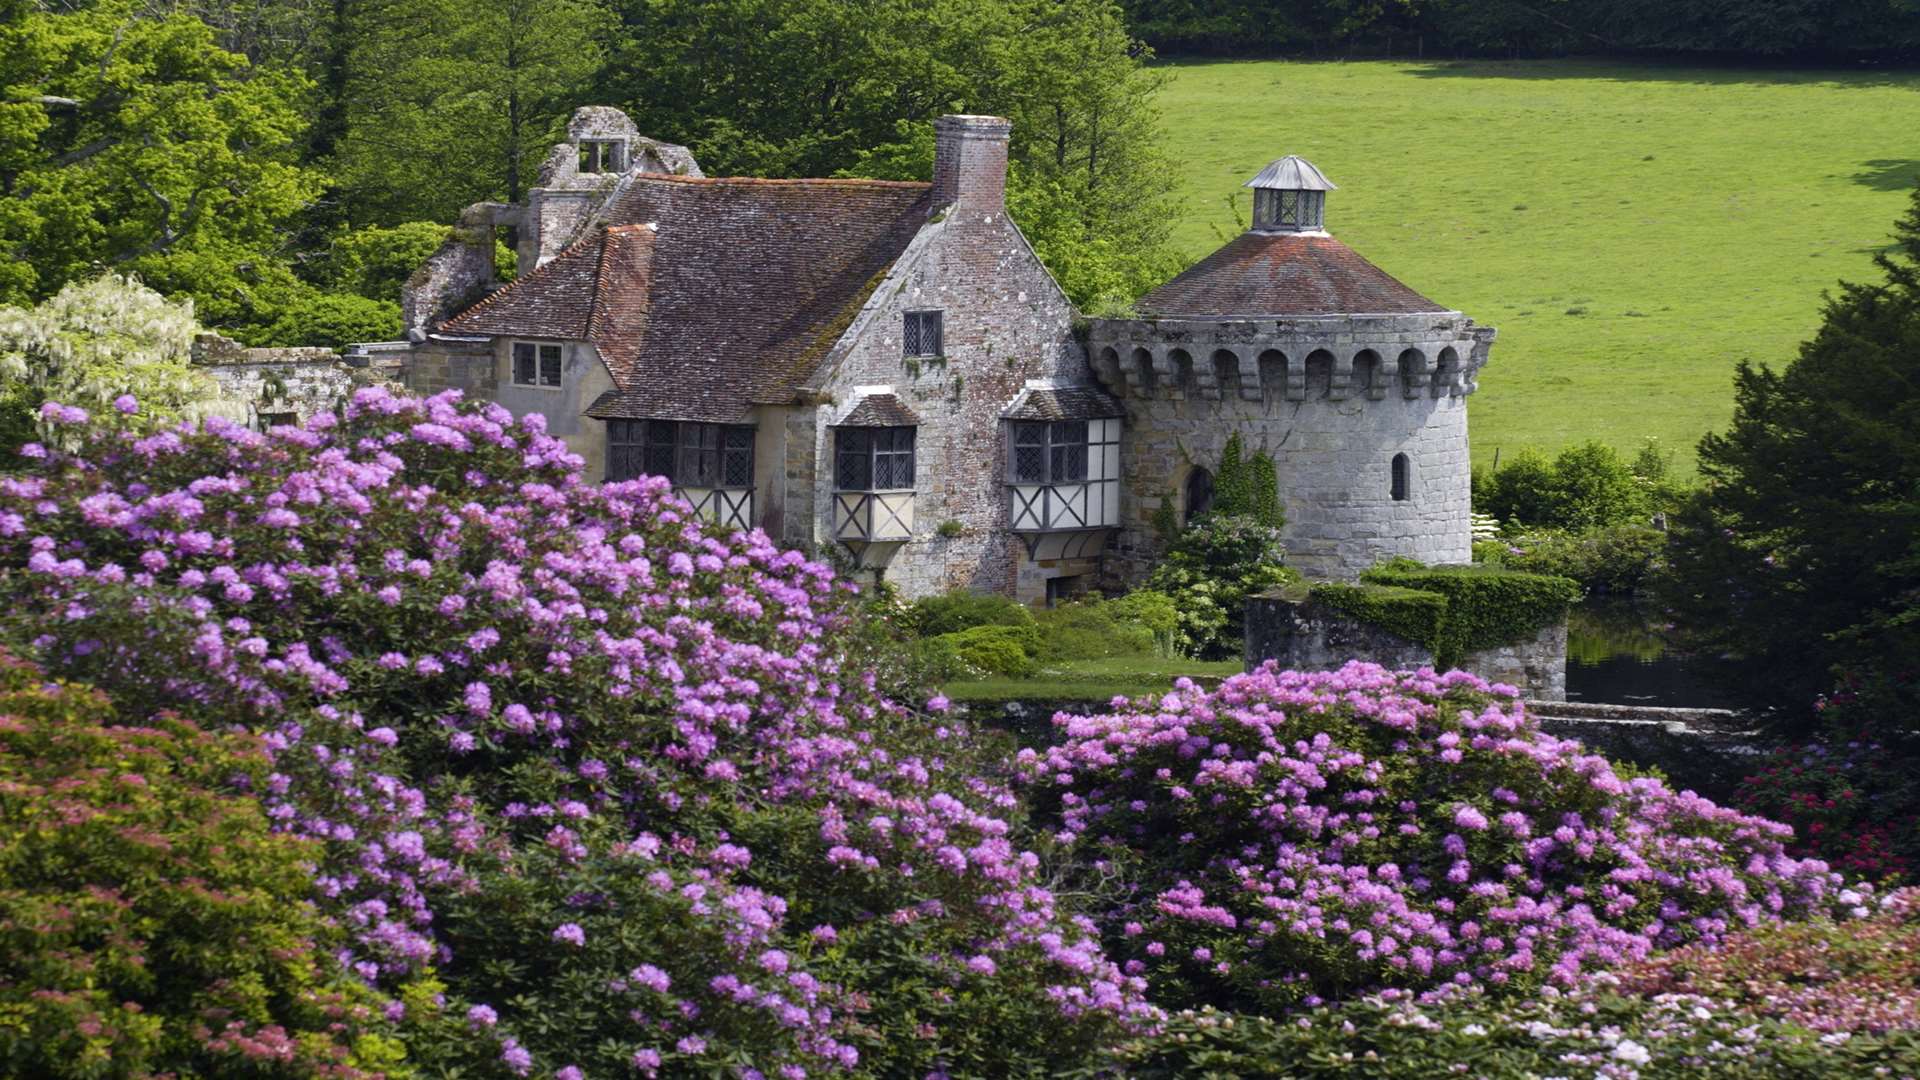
pixel 602 156
pixel 922 334
pixel 536 364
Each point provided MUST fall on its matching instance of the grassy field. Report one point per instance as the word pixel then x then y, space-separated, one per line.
pixel 1632 231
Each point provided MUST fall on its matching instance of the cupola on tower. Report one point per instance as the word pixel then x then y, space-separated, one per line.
pixel 1355 384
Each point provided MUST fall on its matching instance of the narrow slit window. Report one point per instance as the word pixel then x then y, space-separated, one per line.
pixel 1401 485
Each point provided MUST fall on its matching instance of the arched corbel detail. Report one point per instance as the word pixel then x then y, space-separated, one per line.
pixel 1415 376
pixel 1341 381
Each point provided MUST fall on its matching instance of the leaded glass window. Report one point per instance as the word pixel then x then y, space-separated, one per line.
pixel 1053 453
pixel 922 334
pixel 690 455
pixel 874 458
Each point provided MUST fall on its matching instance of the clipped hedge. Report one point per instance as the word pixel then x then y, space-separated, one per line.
pixel 995 650
pixel 1480 606
pixel 1411 613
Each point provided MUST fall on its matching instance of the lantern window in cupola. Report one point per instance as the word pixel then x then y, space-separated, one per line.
pixel 1290 195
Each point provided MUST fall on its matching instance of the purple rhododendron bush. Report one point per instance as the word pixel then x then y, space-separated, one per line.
pixel 1294 838
pixel 593 789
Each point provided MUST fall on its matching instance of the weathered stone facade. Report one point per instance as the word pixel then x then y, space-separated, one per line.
pixel 285 385
pixel 1306 635
pixel 795 309
pixel 1005 323
pixel 1331 399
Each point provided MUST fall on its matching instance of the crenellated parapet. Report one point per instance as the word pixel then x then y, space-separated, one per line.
pixel 1335 358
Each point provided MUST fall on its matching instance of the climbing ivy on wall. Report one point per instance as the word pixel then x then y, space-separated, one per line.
pixel 1247 487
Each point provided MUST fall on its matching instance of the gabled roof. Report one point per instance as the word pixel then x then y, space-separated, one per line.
pixel 707 296
pixel 880 410
pixel 1062 403
pixel 1283 274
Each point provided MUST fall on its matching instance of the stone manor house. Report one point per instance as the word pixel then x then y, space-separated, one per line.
pixel 888 367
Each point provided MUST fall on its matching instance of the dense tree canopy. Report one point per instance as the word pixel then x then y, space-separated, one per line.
pixel 1801 29
pixel 1802 552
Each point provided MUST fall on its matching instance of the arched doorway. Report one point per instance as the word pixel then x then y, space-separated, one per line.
pixel 1199 494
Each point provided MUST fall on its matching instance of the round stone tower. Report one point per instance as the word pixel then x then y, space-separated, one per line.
pixel 1353 383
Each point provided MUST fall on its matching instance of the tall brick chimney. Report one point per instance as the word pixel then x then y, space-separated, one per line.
pixel 970 162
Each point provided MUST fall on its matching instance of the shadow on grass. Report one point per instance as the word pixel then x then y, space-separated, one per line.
pixel 1693 71
pixel 1889 174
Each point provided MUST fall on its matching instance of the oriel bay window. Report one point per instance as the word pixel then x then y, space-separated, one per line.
pixel 1064 481
pixel 873 475
pixel 873 458
pixel 711 465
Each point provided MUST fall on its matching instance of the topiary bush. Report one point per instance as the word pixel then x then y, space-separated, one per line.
pixel 604 771
pixel 1295 837
pixel 151 923
pixel 994 650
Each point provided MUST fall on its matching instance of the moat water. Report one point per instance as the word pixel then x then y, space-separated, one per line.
pixel 1617 652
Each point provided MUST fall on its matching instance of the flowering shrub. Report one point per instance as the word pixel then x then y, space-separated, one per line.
pixel 602 770
pixel 150 922
pixel 1858 975
pixel 1209 570
pixel 1853 802
pixel 1292 837
pixel 1593 1032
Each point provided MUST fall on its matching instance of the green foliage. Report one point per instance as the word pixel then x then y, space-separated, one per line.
pixel 1414 614
pixel 134 141
pixel 332 320
pixel 374 262
pixel 1798 555
pixel 1094 628
pixel 1209 571
pixel 949 612
pixel 449 102
pixel 150 921
pixel 1596 1033
pixel 1486 606
pixel 994 649
pixel 1247 487
pixel 1611 559
pixel 1851 28
pixel 89 344
pixel 1587 486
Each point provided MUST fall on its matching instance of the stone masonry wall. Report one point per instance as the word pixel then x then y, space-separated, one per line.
pixel 1332 400
pixel 1303 635
pixel 1004 322
pixel 276 381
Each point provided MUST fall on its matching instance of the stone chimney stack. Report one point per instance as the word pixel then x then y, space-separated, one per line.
pixel 970 163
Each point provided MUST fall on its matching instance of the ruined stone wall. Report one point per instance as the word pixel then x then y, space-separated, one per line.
pixel 1331 400
pixel 1004 322
pixel 1305 635
pixel 275 382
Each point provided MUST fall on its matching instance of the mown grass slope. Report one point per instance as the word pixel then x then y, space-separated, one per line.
pixel 1632 230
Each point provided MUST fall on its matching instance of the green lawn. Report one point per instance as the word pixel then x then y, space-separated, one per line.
pixel 1092 680
pixel 1632 231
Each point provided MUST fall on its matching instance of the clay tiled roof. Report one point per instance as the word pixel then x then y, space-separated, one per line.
pixel 1063 403
pixel 1283 274
pixel 880 410
pixel 706 296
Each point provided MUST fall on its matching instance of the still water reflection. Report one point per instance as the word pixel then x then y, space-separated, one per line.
pixel 1616 654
